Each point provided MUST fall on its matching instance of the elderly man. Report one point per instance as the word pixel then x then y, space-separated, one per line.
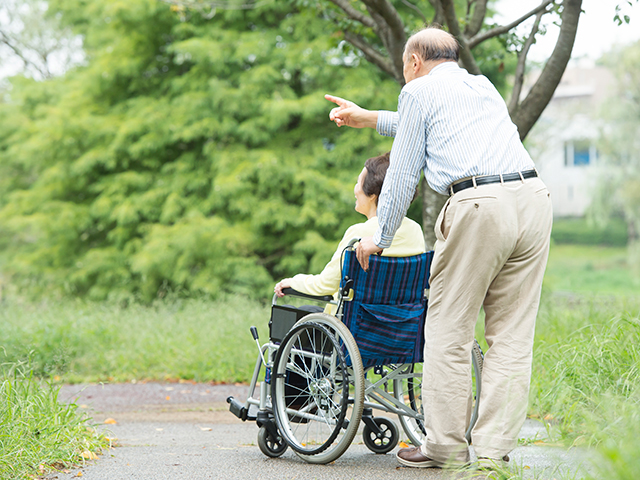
pixel 491 249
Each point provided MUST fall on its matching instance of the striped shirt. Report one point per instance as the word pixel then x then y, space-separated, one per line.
pixel 451 125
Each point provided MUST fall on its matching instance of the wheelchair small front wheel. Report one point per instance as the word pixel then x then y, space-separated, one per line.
pixel 269 445
pixel 383 442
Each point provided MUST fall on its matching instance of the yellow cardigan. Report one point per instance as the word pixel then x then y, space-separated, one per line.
pixel 408 241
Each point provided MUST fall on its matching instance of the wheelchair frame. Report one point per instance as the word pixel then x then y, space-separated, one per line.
pixel 338 393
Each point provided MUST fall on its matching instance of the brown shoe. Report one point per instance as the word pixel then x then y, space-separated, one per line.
pixel 413 457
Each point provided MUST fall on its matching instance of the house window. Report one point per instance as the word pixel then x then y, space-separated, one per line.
pixel 578 153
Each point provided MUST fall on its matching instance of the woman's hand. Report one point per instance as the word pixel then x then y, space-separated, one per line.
pixel 281 285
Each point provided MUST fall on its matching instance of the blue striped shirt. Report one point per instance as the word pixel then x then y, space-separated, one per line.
pixel 451 125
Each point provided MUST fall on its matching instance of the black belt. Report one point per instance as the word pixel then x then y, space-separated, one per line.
pixel 488 179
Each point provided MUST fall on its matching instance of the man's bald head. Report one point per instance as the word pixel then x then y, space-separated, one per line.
pixel 433 44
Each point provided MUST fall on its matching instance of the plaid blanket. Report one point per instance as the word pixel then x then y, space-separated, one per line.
pixel 387 312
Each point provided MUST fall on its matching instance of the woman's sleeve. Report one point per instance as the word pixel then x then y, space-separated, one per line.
pixel 328 281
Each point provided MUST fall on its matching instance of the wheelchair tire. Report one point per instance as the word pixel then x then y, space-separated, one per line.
pixel 320 422
pixel 271 447
pixel 388 439
pixel 408 388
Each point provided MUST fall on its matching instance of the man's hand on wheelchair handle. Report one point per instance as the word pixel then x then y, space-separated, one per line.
pixel 281 285
pixel 364 250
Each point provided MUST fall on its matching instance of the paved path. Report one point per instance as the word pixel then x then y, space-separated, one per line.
pixel 185 431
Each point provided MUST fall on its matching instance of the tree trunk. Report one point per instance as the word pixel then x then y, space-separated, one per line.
pixel 528 112
pixel 432 203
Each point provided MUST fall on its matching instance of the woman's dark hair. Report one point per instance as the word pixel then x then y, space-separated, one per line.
pixel 376 171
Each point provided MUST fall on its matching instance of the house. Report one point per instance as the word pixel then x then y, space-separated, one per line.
pixel 563 141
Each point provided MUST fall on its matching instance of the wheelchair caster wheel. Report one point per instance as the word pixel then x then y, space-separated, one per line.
pixel 383 442
pixel 270 446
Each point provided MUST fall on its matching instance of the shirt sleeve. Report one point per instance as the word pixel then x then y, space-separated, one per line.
pixel 387 123
pixel 328 281
pixel 407 160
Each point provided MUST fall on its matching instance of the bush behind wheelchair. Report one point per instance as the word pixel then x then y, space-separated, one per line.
pixel 323 374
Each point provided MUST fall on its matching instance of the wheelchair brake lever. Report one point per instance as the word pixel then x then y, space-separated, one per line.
pixel 254 334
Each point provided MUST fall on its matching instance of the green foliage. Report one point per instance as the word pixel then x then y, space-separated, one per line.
pixel 36 430
pixel 189 154
pixel 619 181
pixel 581 231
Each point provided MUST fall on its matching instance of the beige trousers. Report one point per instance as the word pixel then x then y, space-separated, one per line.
pixel 491 251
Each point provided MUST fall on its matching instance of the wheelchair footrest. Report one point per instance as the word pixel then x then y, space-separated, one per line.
pixel 237 409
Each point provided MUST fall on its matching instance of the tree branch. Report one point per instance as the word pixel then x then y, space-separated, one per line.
pixel 392 29
pixel 494 32
pixel 372 55
pixel 477 19
pixel 439 15
pixel 466 57
pixel 539 96
pixel 416 9
pixel 18 52
pixel 522 58
pixel 354 14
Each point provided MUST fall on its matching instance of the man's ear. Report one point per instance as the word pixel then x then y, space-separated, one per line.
pixel 416 62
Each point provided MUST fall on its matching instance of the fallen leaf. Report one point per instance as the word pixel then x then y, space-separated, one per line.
pixel 527 467
pixel 110 421
pixel 168 397
pixel 84 406
pixel 168 389
pixel 79 474
pixel 56 378
pixel 41 468
pixel 403 445
pixel 205 429
pixel 87 455
pixel 159 429
pixel 548 417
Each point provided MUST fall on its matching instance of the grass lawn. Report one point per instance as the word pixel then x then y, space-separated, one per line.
pixel 590 270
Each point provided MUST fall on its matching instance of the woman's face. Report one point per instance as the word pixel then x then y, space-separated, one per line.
pixel 364 202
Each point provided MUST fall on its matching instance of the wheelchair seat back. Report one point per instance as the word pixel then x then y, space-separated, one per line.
pixel 386 311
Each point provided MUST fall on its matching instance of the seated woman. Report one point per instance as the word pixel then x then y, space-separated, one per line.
pixel 407 241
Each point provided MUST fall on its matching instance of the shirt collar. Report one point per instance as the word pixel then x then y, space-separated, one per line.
pixel 444 67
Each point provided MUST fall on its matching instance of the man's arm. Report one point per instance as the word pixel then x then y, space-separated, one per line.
pixel 407 160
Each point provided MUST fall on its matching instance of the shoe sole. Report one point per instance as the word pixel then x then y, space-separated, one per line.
pixel 425 464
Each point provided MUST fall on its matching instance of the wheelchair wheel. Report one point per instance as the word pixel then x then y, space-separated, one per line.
pixel 407 387
pixel 270 446
pixel 387 440
pixel 317 388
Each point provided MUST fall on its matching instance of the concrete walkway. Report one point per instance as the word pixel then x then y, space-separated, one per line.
pixel 185 431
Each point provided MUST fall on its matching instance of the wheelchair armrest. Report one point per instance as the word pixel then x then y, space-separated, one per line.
pixel 295 293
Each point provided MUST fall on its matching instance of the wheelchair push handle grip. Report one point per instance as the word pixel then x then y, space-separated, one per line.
pixel 353 241
pixel 295 293
pixel 254 332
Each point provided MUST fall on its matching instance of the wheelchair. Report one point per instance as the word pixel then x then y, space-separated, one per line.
pixel 324 374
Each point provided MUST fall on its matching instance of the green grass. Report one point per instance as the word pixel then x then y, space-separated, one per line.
pixel 590 270
pixel 190 339
pixel 37 434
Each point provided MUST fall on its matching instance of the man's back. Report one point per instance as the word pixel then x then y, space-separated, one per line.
pixel 467 126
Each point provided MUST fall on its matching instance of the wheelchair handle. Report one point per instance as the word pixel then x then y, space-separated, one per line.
pixel 295 293
pixel 353 241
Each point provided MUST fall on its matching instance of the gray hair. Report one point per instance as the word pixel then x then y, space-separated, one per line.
pixel 433 43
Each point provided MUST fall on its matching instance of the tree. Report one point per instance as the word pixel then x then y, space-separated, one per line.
pixel 34 39
pixel 379 29
pixel 192 153
pixel 619 181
